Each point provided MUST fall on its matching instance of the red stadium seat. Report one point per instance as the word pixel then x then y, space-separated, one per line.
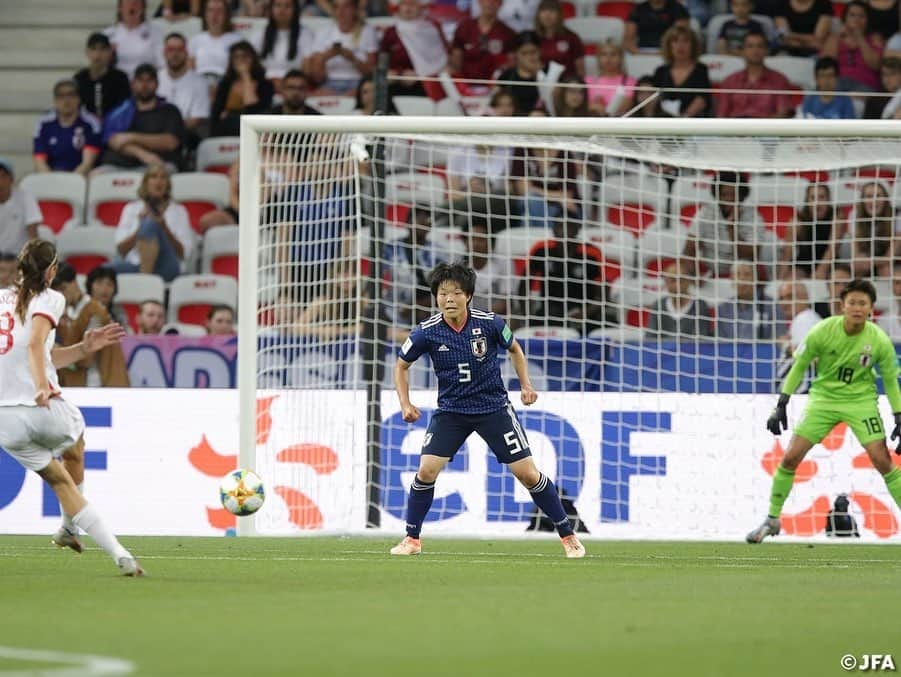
pixel 191 296
pixel 217 154
pixel 638 317
pixel 620 9
pixel 109 193
pixel 60 195
pixel 86 247
pixel 200 193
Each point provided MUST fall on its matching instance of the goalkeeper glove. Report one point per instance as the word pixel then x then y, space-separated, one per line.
pixel 896 433
pixel 779 416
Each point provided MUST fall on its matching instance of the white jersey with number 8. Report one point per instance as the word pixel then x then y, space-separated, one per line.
pixel 16 384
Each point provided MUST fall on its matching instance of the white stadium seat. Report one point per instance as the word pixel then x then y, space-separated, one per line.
pixel 332 105
pixel 189 26
pixel 134 289
pixel 86 247
pixel 597 29
pixel 217 153
pixel 798 69
pixel 220 251
pixel 248 26
pixel 413 187
pixel 60 196
pixel 108 193
pixel 544 332
pixel 414 105
pixel 200 192
pixel 638 65
pixel 721 66
pixel 190 296
pixel 634 201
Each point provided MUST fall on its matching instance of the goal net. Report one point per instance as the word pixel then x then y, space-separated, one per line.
pixel 658 274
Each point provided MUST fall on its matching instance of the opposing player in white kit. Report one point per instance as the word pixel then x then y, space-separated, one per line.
pixel 37 426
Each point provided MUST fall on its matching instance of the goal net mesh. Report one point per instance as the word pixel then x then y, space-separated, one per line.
pixel 658 286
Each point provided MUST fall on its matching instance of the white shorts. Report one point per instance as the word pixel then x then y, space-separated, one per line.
pixel 36 435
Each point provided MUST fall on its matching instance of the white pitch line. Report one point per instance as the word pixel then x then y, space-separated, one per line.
pixel 85 665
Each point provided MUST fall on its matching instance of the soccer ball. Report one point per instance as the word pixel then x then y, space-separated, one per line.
pixel 241 492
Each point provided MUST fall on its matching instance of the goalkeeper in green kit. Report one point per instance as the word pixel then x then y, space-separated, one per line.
pixel 846 349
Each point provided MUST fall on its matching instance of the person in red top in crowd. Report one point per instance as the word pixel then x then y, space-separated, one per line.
pixel 756 76
pixel 482 45
pixel 558 43
pixel 416 47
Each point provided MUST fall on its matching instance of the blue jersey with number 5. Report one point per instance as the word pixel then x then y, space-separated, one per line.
pixel 465 361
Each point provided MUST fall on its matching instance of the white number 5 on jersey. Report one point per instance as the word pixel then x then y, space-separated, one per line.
pixel 465 372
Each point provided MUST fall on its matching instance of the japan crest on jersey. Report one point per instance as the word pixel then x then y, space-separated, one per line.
pixel 865 358
pixel 479 346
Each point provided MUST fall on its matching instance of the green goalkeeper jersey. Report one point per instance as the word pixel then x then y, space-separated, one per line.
pixel 845 365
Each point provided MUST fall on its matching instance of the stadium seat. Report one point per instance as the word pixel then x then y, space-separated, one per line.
pixel 776 199
pixel 60 196
pixel 413 187
pixel 449 107
pixel 616 244
pixel 217 154
pixel 46 233
pixel 622 334
pixel 634 202
pixel 798 69
pixel 516 243
pixel 134 289
pixel 414 105
pixel 332 105
pixel 595 29
pixel 184 329
pixel 199 192
pixel 475 106
pixel 381 23
pixel 248 26
pixel 545 332
pixel 714 291
pixel 220 251
pixel 687 196
pixel 715 25
pixel 721 66
pixel 657 246
pixel 108 193
pixel 638 65
pixel 619 9
pixel 86 247
pixel 188 27
pixel 191 296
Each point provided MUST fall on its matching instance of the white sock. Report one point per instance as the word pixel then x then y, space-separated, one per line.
pixel 89 520
pixel 67 519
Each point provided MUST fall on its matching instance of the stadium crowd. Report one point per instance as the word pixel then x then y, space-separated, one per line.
pixel 163 96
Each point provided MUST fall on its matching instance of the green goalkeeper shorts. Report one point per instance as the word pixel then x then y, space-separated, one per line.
pixel 864 420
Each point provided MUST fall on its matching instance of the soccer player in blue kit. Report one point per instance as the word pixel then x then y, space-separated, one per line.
pixel 463 343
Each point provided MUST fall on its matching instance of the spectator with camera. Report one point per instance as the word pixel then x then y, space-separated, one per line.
pixel 154 233
pixel 344 51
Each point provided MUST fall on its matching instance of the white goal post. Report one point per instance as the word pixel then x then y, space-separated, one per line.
pixel 341 215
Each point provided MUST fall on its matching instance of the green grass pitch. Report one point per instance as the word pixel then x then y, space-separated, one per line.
pixel 342 606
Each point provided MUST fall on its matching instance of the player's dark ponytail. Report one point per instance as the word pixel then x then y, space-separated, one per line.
pixel 34 260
